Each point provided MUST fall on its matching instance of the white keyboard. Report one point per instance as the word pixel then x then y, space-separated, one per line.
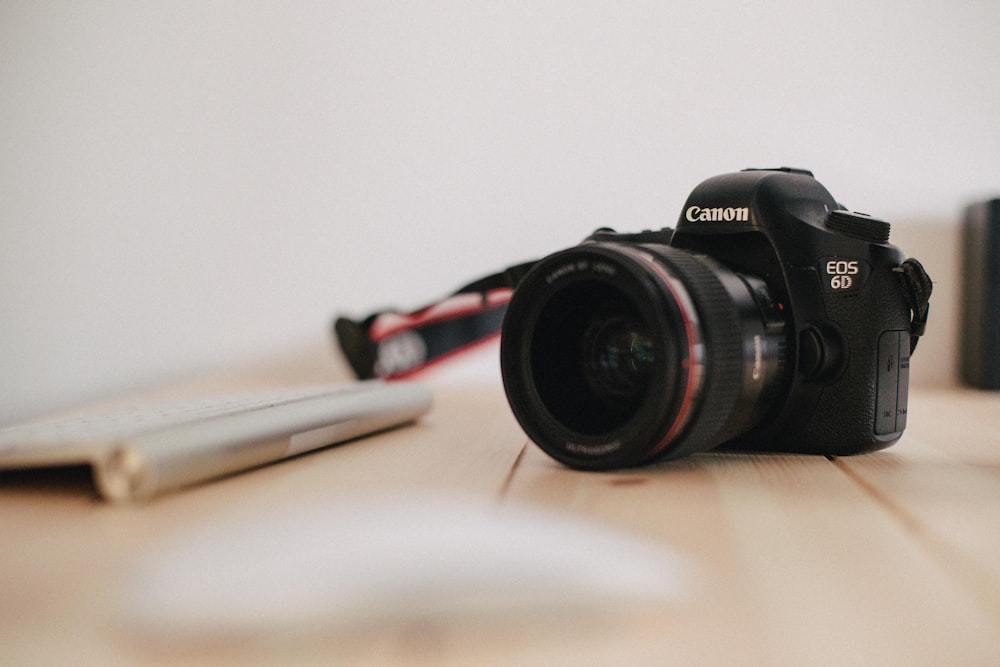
pixel 146 449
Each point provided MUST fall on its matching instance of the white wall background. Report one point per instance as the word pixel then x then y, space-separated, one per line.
pixel 190 184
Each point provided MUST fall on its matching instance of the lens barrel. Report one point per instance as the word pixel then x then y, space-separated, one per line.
pixel 616 354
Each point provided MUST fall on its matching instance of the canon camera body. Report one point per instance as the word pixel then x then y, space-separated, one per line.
pixel 770 318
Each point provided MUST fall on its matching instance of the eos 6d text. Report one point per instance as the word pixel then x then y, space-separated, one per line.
pixel 841 272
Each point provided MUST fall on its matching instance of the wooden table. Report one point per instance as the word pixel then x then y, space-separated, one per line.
pixel 889 558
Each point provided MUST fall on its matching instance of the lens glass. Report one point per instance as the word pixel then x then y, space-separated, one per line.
pixel 618 356
pixel 592 357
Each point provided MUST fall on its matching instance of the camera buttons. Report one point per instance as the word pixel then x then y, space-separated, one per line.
pixel 821 353
pixel 811 352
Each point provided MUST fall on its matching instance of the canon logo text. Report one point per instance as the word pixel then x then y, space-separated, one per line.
pixel 728 214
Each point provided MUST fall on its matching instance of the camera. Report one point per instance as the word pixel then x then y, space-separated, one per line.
pixel 770 318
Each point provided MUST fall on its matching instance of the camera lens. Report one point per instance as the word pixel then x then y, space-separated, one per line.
pixel 615 354
pixel 618 356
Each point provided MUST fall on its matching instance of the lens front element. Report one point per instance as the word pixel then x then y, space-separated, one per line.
pixel 618 356
pixel 590 356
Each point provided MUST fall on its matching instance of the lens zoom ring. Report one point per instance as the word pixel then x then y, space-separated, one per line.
pixel 723 352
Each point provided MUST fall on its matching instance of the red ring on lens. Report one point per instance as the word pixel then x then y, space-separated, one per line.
pixel 695 366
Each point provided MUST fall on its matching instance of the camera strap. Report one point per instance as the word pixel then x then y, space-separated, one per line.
pixel 389 344
pixel 917 288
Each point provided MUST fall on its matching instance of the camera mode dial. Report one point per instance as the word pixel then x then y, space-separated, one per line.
pixel 859 226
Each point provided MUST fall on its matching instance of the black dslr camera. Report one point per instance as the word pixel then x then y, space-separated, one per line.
pixel 770 319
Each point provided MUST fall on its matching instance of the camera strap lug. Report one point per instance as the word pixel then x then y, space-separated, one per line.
pixel 917 288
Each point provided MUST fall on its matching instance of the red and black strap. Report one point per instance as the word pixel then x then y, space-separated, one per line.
pixel 389 344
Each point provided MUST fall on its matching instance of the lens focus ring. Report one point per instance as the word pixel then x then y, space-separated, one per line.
pixel 723 352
